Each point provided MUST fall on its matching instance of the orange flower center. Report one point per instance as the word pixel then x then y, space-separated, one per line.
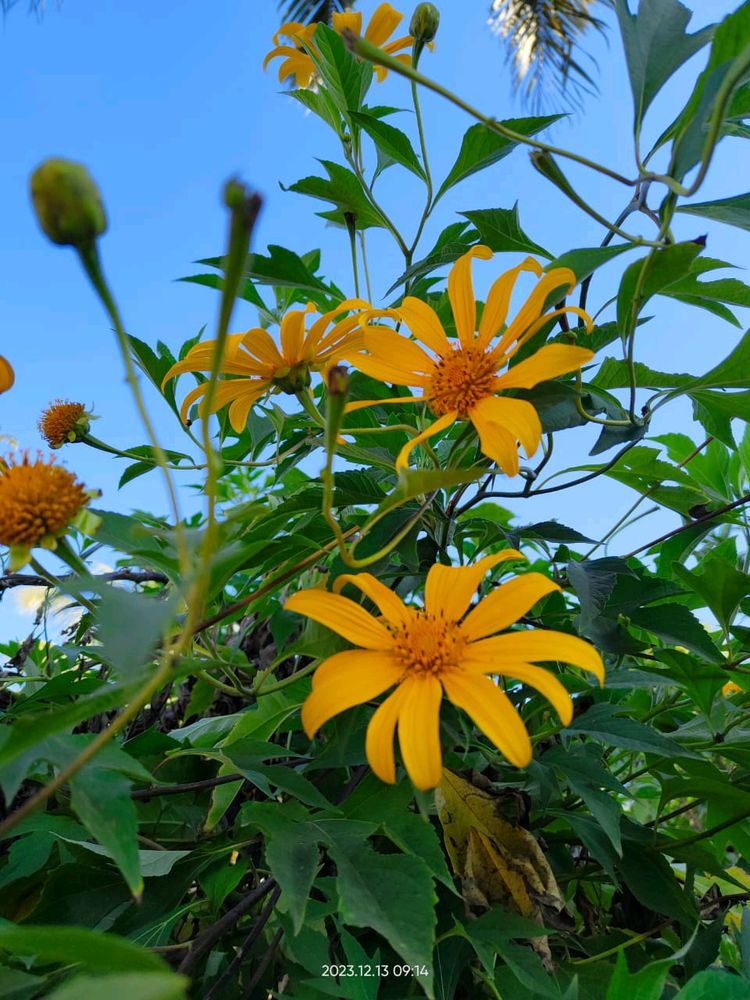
pixel 428 645
pixel 460 380
pixel 59 421
pixel 37 501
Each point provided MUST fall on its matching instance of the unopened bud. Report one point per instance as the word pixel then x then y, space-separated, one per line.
pixel 67 203
pixel 424 22
pixel 7 375
pixel 338 380
pixel 337 383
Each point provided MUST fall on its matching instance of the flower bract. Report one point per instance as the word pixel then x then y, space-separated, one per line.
pixel 63 422
pixel 468 380
pixel 425 652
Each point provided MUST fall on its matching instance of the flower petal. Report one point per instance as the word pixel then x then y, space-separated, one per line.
pixel 419 731
pixel 363 404
pixel 449 589
pixel 260 344
pixel 383 23
pixel 402 459
pixel 292 333
pixel 516 415
pixel 547 363
pixel 506 604
pixel 351 19
pixel 7 375
pixel 393 348
pixel 387 371
pixel 545 682
pixel 546 318
pixel 344 691
pixel 353 662
pixel 342 616
pixel 240 408
pixel 461 294
pixel 380 732
pixel 495 310
pixel 390 605
pixel 493 713
pixel 496 442
pixel 424 323
pixel 539 645
pixel 558 277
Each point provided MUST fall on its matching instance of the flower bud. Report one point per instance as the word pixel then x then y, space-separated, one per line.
pixel 7 375
pixel 67 203
pixel 424 22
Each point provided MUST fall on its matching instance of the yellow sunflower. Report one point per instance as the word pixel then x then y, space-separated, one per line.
pixel 262 368
pixel 424 652
pixel 298 64
pixel 465 381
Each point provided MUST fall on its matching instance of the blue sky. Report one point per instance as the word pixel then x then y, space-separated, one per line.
pixel 164 101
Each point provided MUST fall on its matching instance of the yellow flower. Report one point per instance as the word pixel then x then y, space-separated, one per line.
pixel 298 64
pixel 63 422
pixel 263 368
pixel 424 652
pixel 730 688
pixel 463 381
pixel 7 375
pixel 38 502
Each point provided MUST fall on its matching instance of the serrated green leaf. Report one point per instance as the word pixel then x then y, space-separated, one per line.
pixel 500 230
pixel 392 142
pixel 481 147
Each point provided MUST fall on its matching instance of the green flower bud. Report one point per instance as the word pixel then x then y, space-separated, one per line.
pixel 424 22
pixel 67 203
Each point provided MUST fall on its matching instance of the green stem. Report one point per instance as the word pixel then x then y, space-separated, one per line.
pixel 372 53
pixel 365 268
pixel 89 258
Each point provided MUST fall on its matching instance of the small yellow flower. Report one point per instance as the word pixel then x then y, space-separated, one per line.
pixel 424 652
pixel 463 381
pixel 63 422
pixel 730 688
pixel 7 375
pixel 298 64
pixel 38 503
pixel 263 368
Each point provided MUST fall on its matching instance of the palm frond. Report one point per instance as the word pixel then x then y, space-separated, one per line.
pixel 35 6
pixel 542 36
pixel 307 11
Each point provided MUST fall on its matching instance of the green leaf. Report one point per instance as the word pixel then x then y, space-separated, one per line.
pixel 716 410
pixel 714 984
pixel 93 950
pixel 606 723
pixel 392 142
pixel 719 585
pixel 593 581
pixel 645 984
pixel 344 190
pixel 500 230
pixel 481 147
pixel 652 881
pixel 126 986
pixel 656 45
pixel 390 893
pixel 649 276
pixel 727 55
pixel 101 800
pixel 423 482
pixel 291 851
pixel 677 625
pixel 734 211
pixel 587 260
pixel 17 985
pixel 346 79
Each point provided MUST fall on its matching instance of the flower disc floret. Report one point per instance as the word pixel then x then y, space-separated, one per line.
pixel 63 422
pixel 38 502
pixel 440 649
